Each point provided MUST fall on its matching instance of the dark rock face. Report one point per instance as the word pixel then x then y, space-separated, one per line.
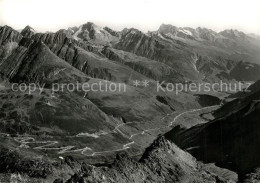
pixel 227 140
pixel 240 101
pixel 246 72
pixel 250 89
pixel 254 87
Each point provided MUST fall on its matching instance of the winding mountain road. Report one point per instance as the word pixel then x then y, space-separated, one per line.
pixel 68 149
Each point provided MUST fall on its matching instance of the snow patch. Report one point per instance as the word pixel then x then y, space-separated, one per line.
pixel 132 32
pixel 71 30
pixel 170 35
pixel 49 104
pixel 98 29
pixel 195 58
pixel 216 62
pixel 160 36
pixel 30 29
pixel 93 135
pixel 250 65
pixel 75 35
pixel 187 32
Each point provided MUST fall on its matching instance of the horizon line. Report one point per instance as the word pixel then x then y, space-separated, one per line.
pixel 133 27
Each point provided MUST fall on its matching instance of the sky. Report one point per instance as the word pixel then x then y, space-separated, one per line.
pixel 52 15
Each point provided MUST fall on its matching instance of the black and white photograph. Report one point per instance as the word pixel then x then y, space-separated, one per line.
pixel 120 91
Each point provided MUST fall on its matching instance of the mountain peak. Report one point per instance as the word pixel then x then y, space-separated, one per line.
pixel 233 33
pixel 167 28
pixel 93 33
pixel 111 31
pixel 89 25
pixel 29 28
pixel 203 29
pixel 28 31
pixel 8 34
pixel 6 27
pixel 173 31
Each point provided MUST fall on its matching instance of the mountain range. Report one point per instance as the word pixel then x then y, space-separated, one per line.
pixel 77 136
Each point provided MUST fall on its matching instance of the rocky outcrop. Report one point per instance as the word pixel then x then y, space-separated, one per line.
pixel 12 161
pixel 253 177
pixel 161 162
pixel 17 167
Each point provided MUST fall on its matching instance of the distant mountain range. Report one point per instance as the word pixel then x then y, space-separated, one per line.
pixel 186 53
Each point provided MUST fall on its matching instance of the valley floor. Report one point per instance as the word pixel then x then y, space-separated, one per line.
pixel 142 138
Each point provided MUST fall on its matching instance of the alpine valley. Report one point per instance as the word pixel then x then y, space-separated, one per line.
pixel 139 134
